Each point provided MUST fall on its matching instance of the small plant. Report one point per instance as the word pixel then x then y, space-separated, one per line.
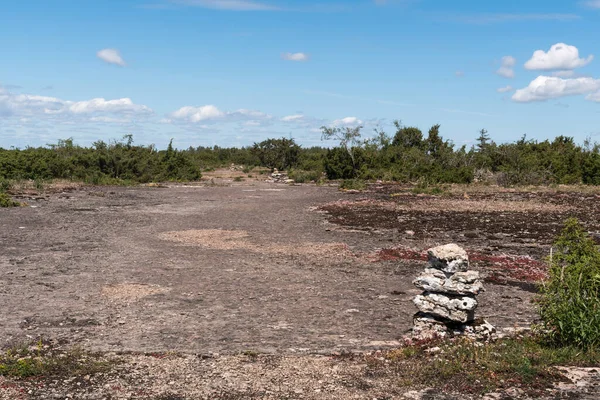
pixel 250 354
pixel 238 179
pixel 353 184
pixel 39 185
pixel 570 299
pixel 7 201
pixel 423 187
pixel 5 185
pixel 42 360
pixel 247 169
pixel 469 367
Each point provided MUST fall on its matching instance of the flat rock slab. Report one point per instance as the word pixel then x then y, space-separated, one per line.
pixel 97 267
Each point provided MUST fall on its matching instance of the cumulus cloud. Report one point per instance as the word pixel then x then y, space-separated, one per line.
pixel 118 106
pixel 550 87
pixel 505 89
pixel 295 56
pixel 196 114
pixel 210 113
pixel 506 68
pixel 594 97
pixel 560 57
pixel 29 105
pixel 564 74
pixel 348 121
pixel 111 56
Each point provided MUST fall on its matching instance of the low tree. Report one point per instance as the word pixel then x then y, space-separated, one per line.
pixel 347 137
pixel 483 140
pixel 349 140
pixel 407 136
pixel 277 153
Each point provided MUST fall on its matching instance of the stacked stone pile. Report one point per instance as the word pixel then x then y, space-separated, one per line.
pixel 279 177
pixel 448 303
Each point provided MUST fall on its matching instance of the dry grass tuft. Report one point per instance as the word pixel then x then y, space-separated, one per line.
pixel 218 239
pixel 131 291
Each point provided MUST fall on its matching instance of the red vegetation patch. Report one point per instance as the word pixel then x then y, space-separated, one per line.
pixel 506 267
pixel 396 254
pixel 501 268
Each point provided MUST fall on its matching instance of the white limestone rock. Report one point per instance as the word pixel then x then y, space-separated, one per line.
pixel 448 258
pixel 459 283
pixel 427 327
pixel 453 308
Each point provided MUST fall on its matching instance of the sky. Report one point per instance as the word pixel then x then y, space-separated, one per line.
pixel 235 72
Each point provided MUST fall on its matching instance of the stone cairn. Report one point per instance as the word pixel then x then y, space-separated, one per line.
pixel 279 177
pixel 447 305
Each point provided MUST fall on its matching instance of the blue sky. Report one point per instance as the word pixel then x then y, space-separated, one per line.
pixel 232 72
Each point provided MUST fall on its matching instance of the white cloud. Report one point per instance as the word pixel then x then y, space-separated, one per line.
pixel 564 74
pixel 197 114
pixel 293 118
pixel 245 113
pixel 560 56
pixel 551 87
pixel 119 106
pixel 594 97
pixel 295 56
pixel 505 89
pixel 592 3
pixel 231 5
pixel 459 74
pixel 111 56
pixel 210 113
pixel 45 107
pixel 109 120
pixel 506 69
pixel 348 121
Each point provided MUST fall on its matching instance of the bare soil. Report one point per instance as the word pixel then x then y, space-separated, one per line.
pixel 224 268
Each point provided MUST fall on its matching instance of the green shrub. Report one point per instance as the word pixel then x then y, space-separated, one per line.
pixel 423 187
pixel 570 299
pixel 353 184
pixel 4 185
pixel 277 153
pixel 304 176
pixel 6 201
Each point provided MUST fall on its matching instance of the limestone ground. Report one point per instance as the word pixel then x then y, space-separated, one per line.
pixel 258 268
